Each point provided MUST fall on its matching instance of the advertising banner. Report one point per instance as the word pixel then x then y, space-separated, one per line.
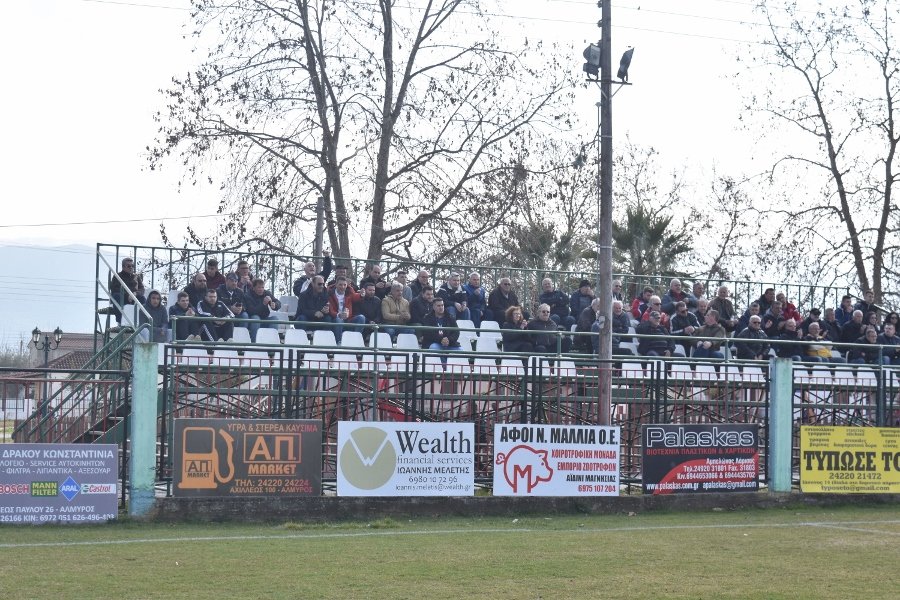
pixel 556 460
pixel 849 460
pixel 406 459
pixel 684 459
pixel 247 457
pixel 58 483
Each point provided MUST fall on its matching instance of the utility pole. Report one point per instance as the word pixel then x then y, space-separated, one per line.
pixel 320 226
pixel 605 246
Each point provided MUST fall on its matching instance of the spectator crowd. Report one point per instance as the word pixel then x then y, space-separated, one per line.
pixel 676 322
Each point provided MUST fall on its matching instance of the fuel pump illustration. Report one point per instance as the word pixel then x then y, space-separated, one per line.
pixel 201 468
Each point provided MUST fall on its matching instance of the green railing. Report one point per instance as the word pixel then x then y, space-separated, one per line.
pixel 166 269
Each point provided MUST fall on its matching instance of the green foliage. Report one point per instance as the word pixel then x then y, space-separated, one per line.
pixel 647 243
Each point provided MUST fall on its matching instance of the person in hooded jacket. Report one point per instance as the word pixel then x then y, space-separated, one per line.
pixel 159 324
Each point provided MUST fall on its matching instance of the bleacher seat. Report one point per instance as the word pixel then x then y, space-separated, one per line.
pixel 486 344
pixel 381 340
pixel 267 336
pixel 353 339
pixel 324 338
pixel 241 335
pixel 408 341
pixel 296 337
pixel 289 304
pixel 172 299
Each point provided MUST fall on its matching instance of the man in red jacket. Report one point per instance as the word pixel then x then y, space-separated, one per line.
pixel 340 307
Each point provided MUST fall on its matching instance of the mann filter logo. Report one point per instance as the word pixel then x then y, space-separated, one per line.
pixel 368 459
pixel 69 489
pixel 44 488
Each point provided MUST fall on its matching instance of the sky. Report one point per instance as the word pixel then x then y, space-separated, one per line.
pixel 82 80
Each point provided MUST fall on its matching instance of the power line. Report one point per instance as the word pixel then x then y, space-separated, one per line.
pixel 137 4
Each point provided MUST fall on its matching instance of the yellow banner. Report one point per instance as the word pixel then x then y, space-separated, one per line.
pixel 850 460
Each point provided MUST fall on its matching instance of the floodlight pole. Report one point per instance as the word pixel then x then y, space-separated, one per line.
pixel 605 234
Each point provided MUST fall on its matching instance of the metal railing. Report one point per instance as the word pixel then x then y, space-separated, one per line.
pixel 166 268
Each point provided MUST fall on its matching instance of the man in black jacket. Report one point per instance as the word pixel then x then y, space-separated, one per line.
pixel 656 346
pixel 302 283
pixel 545 333
pixel 558 303
pixel 232 296
pixel 751 343
pixel 220 329
pixel 445 336
pixel 312 305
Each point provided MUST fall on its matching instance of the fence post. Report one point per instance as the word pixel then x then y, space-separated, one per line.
pixel 142 432
pixel 781 425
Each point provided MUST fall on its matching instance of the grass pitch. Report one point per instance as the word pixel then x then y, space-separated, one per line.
pixel 779 553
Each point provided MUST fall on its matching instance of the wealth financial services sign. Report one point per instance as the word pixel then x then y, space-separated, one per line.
pixel 556 460
pixel 58 483
pixel 406 459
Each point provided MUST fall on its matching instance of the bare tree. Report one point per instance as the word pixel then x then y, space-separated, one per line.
pixel 835 82
pixel 387 111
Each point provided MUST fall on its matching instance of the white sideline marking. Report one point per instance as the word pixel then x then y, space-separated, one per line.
pixel 833 526
pixel 301 536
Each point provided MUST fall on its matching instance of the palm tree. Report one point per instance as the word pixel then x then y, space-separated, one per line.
pixel 646 244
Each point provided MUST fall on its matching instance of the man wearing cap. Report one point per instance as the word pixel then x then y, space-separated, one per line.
pixel 231 295
pixel 661 345
pixel 301 284
pixel 814 317
pixel 581 298
pixel 214 277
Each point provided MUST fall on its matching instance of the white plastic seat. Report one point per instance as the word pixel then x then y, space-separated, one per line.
pixel 268 337
pixel 485 366
pixel 407 341
pixel 296 337
pixel 705 372
pixel 632 370
pixel 511 367
pixel 866 378
pixel 353 339
pixel 257 358
pixel 194 356
pixel 458 364
pixel 130 315
pixel 317 360
pixel 381 340
pixel 226 357
pixel 324 338
pixel 433 364
pixel 345 362
pixel 241 335
pixel 566 368
pixel 289 304
pixel 631 346
pixel 283 316
pixel 489 325
pixel 172 299
pixel 486 344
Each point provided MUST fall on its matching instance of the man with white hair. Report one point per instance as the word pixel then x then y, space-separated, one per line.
pixel 301 284
pixel 675 295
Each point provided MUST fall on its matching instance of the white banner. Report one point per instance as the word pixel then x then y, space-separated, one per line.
pixel 405 459
pixel 556 460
